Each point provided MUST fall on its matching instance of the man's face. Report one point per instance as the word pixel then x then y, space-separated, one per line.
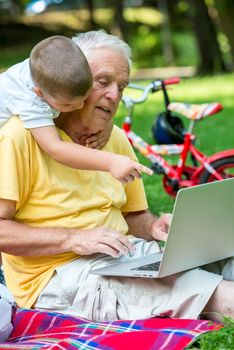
pixel 110 72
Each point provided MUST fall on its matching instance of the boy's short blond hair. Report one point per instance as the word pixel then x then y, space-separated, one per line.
pixel 59 67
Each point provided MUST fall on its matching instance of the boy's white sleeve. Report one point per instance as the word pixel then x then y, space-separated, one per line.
pixel 34 112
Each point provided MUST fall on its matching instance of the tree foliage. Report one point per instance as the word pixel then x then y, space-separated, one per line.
pixel 209 22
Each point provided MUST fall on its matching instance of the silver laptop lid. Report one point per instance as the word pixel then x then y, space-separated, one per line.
pixel 202 228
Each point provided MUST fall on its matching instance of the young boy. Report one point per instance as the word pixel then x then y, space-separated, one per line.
pixel 57 78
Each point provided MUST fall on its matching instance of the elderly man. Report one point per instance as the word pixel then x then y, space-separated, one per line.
pixel 55 220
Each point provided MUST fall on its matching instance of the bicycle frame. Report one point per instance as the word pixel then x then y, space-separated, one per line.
pixel 178 175
pixel 161 166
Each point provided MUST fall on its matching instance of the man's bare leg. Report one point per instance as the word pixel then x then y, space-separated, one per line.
pixel 221 302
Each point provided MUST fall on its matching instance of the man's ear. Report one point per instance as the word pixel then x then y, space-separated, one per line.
pixel 37 91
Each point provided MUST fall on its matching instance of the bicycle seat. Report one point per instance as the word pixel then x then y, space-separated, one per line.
pixel 195 111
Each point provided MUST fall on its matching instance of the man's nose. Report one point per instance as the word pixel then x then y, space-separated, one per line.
pixel 113 92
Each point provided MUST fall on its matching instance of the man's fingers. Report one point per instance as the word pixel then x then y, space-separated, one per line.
pixel 117 242
pixel 167 219
pixel 161 226
pixel 93 144
pixel 161 235
pixel 105 249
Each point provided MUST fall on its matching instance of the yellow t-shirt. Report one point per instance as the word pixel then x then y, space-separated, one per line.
pixel 49 194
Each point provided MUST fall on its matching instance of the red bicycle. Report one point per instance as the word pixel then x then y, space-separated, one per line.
pixel 204 168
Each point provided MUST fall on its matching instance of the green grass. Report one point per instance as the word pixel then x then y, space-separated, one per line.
pixel 217 340
pixel 214 133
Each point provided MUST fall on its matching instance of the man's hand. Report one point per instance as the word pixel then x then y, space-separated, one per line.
pixel 159 229
pixel 100 240
pixel 126 170
pixel 100 139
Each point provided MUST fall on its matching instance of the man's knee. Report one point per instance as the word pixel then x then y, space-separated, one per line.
pixel 221 301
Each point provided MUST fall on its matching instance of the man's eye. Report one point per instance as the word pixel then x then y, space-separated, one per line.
pixel 121 88
pixel 103 82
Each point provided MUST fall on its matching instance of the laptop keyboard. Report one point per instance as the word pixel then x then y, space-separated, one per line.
pixel 149 267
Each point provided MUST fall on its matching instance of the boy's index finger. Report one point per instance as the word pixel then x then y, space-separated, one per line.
pixel 147 170
pixel 144 169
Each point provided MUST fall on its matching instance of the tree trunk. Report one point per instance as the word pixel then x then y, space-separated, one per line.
pixel 211 55
pixel 92 23
pixel 225 10
pixel 166 33
pixel 120 25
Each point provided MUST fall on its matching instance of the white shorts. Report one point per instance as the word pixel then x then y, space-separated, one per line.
pixel 74 291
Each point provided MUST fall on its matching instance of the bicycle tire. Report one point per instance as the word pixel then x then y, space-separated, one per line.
pixel 221 166
pixel 188 172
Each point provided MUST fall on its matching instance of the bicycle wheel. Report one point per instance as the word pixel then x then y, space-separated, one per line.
pixel 172 188
pixel 224 166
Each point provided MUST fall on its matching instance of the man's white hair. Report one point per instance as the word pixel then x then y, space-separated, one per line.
pixel 96 39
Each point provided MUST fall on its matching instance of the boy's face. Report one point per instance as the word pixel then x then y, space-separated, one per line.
pixel 61 103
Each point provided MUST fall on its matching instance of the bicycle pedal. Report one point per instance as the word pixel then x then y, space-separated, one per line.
pixel 173 183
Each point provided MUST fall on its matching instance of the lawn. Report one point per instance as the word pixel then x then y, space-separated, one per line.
pixel 213 134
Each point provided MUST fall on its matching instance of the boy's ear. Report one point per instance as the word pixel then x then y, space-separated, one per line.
pixel 37 91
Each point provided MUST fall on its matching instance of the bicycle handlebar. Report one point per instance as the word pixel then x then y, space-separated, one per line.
pixel 150 88
pixel 171 81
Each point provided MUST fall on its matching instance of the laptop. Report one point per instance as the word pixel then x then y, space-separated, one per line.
pixel 201 232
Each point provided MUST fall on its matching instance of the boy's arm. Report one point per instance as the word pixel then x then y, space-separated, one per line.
pixel 79 157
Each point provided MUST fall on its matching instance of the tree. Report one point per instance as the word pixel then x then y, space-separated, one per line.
pixel 119 25
pixel 211 55
pixel 166 33
pixel 225 10
pixel 92 22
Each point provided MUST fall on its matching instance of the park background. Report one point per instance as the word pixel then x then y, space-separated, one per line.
pixel 192 39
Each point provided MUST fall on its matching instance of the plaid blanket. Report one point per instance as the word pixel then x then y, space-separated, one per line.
pixel 34 329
